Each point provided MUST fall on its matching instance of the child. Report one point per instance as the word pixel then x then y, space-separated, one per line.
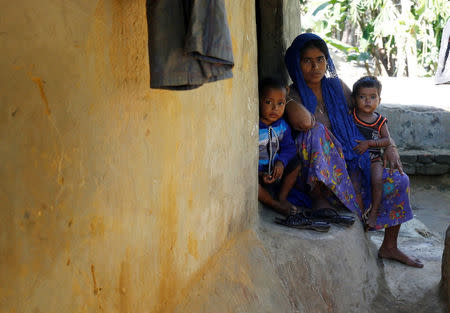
pixel 373 126
pixel 277 150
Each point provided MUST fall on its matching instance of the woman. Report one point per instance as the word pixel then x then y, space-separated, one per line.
pixel 332 173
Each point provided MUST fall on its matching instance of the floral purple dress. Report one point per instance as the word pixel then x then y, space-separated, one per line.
pixel 323 162
pixel 395 208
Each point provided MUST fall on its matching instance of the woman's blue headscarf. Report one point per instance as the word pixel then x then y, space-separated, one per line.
pixel 341 121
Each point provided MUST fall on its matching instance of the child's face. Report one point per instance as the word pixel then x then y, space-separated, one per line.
pixel 272 104
pixel 367 99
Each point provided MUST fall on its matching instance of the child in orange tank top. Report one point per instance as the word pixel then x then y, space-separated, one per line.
pixel 366 96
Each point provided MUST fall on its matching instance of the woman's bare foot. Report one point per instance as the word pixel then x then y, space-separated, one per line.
pixel 396 255
pixel 319 200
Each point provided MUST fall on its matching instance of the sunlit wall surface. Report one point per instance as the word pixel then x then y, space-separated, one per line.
pixel 113 195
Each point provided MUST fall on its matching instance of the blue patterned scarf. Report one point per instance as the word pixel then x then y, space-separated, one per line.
pixel 341 120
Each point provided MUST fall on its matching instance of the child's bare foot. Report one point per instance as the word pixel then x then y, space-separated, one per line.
pixel 288 208
pixel 282 207
pixel 396 255
pixel 372 220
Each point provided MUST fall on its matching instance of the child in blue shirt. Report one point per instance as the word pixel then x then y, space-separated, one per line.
pixel 278 158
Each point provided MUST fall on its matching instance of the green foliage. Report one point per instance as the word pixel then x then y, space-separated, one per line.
pixel 400 36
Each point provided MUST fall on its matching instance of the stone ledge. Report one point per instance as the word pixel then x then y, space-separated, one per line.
pixel 418 126
pixel 426 162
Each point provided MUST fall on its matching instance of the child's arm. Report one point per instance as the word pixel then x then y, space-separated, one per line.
pixel 382 142
pixel 385 138
pixel 362 146
pixel 391 158
pixel 288 149
pixel 278 170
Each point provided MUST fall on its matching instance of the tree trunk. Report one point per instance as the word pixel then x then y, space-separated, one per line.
pixel 408 52
pixel 412 57
pixel 401 56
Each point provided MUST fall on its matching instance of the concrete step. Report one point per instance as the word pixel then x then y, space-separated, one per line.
pixel 426 162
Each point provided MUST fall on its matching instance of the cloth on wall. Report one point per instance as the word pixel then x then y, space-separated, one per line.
pixel 443 69
pixel 189 43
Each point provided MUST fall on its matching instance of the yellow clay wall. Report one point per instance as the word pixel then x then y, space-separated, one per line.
pixel 114 196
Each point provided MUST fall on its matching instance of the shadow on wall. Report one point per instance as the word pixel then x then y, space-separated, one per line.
pixel 278 23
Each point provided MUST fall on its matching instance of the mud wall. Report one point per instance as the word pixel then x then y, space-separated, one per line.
pixel 113 197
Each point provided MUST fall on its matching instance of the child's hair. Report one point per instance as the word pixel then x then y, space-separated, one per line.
pixel 271 82
pixel 366 82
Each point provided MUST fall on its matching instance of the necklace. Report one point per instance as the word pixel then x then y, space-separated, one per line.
pixel 321 106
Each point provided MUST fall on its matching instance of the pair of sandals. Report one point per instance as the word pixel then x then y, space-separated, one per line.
pixel 318 220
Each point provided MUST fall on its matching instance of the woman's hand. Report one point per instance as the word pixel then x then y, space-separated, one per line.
pixel 392 159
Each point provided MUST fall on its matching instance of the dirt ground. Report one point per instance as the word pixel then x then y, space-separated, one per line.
pixel 430 198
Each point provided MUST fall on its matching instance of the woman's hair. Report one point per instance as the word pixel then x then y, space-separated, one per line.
pixel 319 44
pixel 271 82
pixel 366 82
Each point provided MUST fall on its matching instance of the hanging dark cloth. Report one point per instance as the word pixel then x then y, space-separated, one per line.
pixel 189 43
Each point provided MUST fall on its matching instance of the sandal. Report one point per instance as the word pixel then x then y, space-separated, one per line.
pixel 331 216
pixel 301 222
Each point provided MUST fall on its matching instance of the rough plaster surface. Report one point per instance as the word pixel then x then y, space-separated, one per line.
pixel 272 268
pixel 113 196
pixel 322 272
pixel 241 278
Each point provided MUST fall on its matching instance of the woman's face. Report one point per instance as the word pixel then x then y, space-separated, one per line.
pixel 313 65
